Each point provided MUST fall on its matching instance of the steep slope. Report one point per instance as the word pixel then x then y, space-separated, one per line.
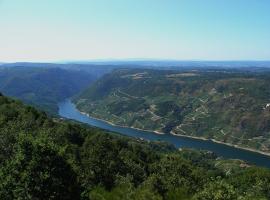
pixel 42 87
pixel 41 158
pixel 230 106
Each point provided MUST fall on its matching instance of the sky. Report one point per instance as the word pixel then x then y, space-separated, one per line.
pixel 58 30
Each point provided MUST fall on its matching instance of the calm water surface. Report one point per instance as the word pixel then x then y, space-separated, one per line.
pixel 68 110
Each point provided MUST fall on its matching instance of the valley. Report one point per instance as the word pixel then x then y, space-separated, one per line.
pixel 62 159
pixel 102 159
pixel 134 100
pixel 226 106
pixel 68 110
pixel 42 85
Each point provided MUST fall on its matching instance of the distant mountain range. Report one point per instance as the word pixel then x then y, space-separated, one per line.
pixel 227 104
pixel 54 158
pixel 149 62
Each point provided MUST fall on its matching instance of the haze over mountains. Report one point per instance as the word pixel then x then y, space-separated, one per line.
pixel 225 103
pixel 144 94
pixel 146 62
pixel 42 86
pixel 134 100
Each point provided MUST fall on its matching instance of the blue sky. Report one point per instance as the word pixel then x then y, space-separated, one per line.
pixel 49 30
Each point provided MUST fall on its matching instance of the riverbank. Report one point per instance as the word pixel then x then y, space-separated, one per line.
pixel 224 143
pixel 68 110
pixel 239 147
pixel 116 125
pixel 180 135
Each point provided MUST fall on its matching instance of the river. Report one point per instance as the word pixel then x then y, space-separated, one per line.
pixel 68 110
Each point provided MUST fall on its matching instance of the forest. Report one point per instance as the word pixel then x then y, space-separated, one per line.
pixel 42 86
pixel 51 158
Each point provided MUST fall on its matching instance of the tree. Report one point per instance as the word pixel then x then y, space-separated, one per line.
pixel 217 190
pixel 37 171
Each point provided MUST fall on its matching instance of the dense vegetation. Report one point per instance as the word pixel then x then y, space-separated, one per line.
pixel 43 87
pixel 231 106
pixel 44 158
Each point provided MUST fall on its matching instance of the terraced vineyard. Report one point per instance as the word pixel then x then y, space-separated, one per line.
pixel 230 106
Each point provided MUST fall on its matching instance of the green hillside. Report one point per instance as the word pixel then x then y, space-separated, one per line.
pixel 42 87
pixel 44 158
pixel 230 106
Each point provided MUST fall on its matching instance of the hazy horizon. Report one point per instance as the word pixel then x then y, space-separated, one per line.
pixel 138 60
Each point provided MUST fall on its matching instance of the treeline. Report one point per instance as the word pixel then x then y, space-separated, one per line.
pixel 44 158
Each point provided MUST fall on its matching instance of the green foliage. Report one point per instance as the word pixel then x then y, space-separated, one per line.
pixel 37 171
pixel 125 190
pixel 42 87
pixel 178 194
pixel 217 190
pixel 105 158
pixel 254 180
pixel 230 106
pixel 41 158
pixel 172 171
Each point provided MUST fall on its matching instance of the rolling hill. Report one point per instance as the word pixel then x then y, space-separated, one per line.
pixel 43 87
pixel 226 105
